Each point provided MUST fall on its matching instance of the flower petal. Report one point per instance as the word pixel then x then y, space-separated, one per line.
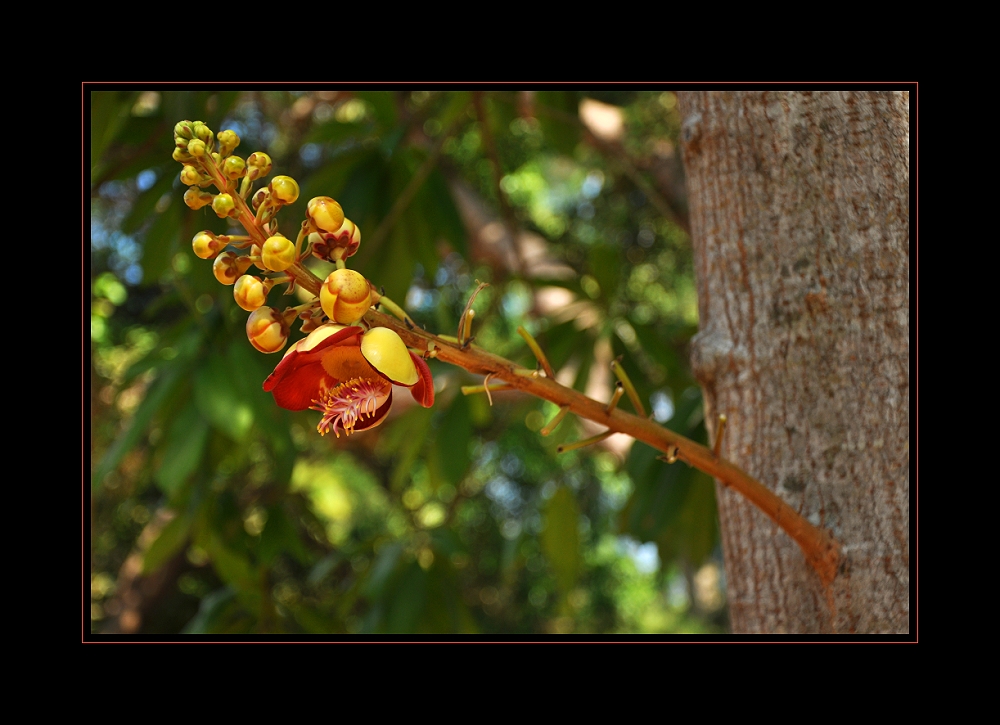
pixel 297 379
pixel 387 353
pixel 423 390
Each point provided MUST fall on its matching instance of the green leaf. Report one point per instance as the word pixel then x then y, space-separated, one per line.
pixel 281 537
pixel 383 569
pixel 216 608
pixel 182 452
pixel 561 537
pixel 452 441
pixel 219 399
pixel 108 111
pixel 172 538
pixel 159 393
pixel 236 570
pixel 142 209
pixel 408 599
pixel 383 105
pixel 161 242
pixel 561 133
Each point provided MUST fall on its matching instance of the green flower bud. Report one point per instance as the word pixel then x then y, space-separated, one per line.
pixel 203 132
pixel 228 141
pixel 234 167
pixel 223 205
pixel 284 189
pixel 184 130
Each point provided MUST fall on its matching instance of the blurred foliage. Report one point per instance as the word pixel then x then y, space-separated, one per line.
pixel 215 511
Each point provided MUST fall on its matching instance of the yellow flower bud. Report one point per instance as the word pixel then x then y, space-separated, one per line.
pixel 250 292
pixel 196 147
pixel 234 167
pixel 258 165
pixel 267 330
pixel 278 253
pixel 259 197
pixel 228 141
pixel 345 296
pixel 223 205
pixel 191 176
pixel 181 155
pixel 284 189
pixel 206 245
pixel 229 266
pixel 324 214
pixel 196 198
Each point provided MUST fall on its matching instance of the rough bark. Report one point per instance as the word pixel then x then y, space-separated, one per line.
pixel 799 216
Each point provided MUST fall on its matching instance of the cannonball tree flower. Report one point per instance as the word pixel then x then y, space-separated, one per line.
pixel 347 374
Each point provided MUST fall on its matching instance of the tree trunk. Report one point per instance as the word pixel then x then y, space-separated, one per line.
pixel 799 208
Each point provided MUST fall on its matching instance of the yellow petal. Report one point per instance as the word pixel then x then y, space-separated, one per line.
pixel 386 352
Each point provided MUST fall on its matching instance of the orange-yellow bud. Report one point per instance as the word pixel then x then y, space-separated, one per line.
pixel 206 245
pixel 278 253
pixel 191 176
pixel 324 214
pixel 267 329
pixel 284 189
pixel 345 296
pixel 223 205
pixel 196 198
pixel 250 292
pixel 228 266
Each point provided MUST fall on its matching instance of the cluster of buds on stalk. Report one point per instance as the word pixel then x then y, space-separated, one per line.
pixel 341 368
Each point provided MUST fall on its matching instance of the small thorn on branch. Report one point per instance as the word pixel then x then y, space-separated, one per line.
pixel 613 403
pixel 465 321
pixel 585 442
pixel 473 389
pixel 553 424
pixel 537 351
pixel 619 371
pixel 718 435
pixel 673 455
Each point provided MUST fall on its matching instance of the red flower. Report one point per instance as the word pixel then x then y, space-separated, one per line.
pixel 347 374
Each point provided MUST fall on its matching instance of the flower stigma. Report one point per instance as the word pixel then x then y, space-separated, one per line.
pixel 346 404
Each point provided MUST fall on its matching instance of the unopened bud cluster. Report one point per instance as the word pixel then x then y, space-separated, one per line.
pixel 208 161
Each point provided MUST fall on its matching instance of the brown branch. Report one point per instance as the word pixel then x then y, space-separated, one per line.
pixel 821 550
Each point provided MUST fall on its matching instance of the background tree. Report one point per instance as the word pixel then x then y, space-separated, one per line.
pixel 799 215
